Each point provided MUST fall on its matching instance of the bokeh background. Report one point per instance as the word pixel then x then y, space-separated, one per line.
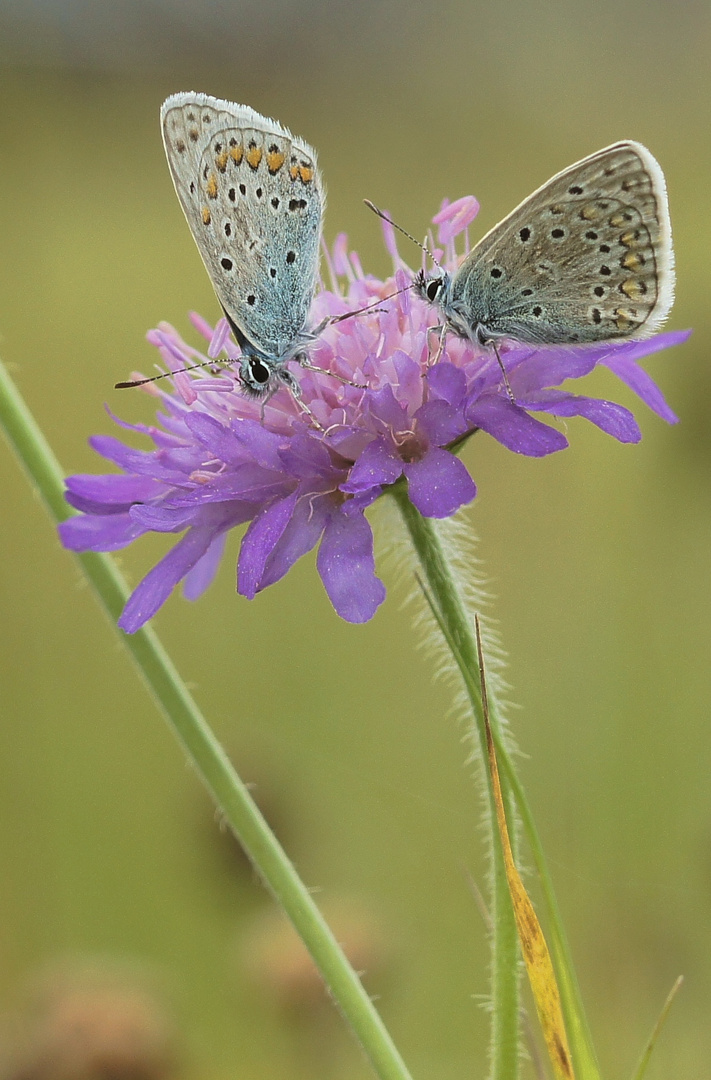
pixel 599 559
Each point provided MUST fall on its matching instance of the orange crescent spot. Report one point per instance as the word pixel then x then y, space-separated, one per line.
pixel 630 238
pixel 275 160
pixel 237 153
pixel 630 261
pixel 221 160
pixel 254 156
pixel 212 187
pixel 206 215
pixel 631 288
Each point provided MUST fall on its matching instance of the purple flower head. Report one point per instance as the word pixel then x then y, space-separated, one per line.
pixel 305 478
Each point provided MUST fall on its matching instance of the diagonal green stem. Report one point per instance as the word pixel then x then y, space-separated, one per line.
pixel 451 613
pixel 215 770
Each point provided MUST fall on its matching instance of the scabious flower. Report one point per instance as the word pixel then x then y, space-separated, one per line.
pixel 303 475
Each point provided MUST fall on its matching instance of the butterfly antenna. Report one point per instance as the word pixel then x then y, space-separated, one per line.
pixel 369 307
pixel 166 374
pixel 404 232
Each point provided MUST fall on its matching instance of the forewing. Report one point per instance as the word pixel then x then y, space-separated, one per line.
pixel 254 200
pixel 586 257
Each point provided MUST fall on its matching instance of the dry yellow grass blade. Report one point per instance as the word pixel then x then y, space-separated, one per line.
pixel 533 944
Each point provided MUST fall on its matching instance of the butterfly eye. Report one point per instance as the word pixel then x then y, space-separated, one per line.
pixel 433 289
pixel 259 371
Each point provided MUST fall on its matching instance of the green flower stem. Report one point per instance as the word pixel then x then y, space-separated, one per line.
pixel 450 611
pixel 190 728
pixel 457 628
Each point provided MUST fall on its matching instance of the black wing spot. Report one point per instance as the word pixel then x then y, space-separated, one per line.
pixel 226 264
pixel 272 271
pixel 251 299
pixel 557 234
pixel 526 292
pixel 259 193
pixel 591 235
pixel 596 316
pixel 496 273
pixel 599 290
pixel 297 204
pixel 605 270
pixel 275 202
pixel 291 257
pixel 242 189
pixel 228 229
pixel 525 234
pixel 575 190
pixel 232 194
pixel 604 248
pixel 537 311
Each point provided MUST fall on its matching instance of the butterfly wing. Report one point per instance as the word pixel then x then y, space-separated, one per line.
pixel 254 200
pixel 586 257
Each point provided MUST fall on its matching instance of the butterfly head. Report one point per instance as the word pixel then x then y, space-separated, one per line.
pixel 432 288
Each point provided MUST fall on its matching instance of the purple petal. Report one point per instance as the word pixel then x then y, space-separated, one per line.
pixel 635 350
pixel 300 535
pixel 610 417
pixel 440 422
pixel 439 484
pixel 305 457
pixel 259 541
pixel 531 369
pixel 216 438
pixel 377 465
pixel 248 482
pixel 159 582
pixel 158 518
pixel 454 217
pixel 643 386
pixel 107 532
pixel 202 574
pixel 347 567
pixel 448 382
pixel 409 383
pixel 263 445
pixel 382 405
pixel 513 427
pixel 113 489
pixel 141 462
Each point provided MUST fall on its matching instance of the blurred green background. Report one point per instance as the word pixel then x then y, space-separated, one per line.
pixel 598 557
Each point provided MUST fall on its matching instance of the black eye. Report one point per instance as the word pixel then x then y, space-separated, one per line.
pixel 433 290
pixel 258 371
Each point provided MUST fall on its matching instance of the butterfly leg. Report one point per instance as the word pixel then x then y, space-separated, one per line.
pixel 507 384
pixel 441 333
pixel 285 378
